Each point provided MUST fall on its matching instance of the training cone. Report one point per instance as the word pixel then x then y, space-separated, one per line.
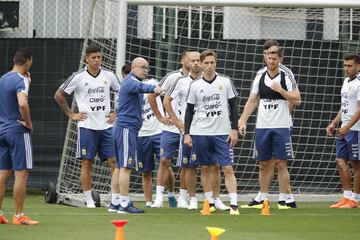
pixel 265 210
pixel 206 208
pixel 215 232
pixel 120 234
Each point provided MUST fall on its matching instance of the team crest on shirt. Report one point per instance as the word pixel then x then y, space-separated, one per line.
pixel 83 151
pixel 105 82
pixel 130 160
pixel 185 160
pixel 221 87
pixel 141 165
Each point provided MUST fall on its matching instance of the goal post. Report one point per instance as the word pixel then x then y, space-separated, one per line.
pixel 315 36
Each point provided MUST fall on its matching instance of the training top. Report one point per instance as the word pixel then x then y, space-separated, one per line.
pixel 151 125
pixel 273 111
pixel 92 95
pixel 130 102
pixel 211 105
pixel 165 84
pixel 350 97
pixel 179 92
pixel 11 84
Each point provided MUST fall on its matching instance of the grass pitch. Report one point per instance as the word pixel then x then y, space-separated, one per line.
pixel 60 222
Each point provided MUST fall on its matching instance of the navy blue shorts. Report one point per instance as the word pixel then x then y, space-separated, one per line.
pixel 212 150
pixel 348 147
pixel 169 144
pixel 91 142
pixel 187 157
pixel 273 143
pixel 16 151
pixel 125 142
pixel 148 148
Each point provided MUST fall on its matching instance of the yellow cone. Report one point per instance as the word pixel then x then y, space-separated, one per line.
pixel 215 232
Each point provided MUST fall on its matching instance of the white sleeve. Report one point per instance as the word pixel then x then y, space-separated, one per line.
pixel 231 91
pixel 289 84
pixel 255 85
pixel 115 82
pixel 358 93
pixel 70 84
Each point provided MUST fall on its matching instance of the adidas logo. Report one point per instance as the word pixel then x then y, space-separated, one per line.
pixel 86 84
pixel 201 91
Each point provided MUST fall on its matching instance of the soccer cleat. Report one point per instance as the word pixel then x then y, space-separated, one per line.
pixel 350 204
pixel 113 208
pixel 340 203
pixel 282 205
pixel 172 202
pixel 157 204
pixel 182 204
pixel 23 220
pixel 253 204
pixel 221 206
pixel 130 208
pixel 234 210
pixel 90 204
pixel 3 219
pixel 212 209
pixel 291 204
pixel 193 204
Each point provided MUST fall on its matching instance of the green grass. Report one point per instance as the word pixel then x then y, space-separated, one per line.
pixel 309 221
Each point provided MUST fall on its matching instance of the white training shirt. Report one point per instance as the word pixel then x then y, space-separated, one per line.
pixel 211 105
pixel 92 95
pixel 165 85
pixel 151 125
pixel 350 97
pixel 288 72
pixel 179 92
pixel 272 113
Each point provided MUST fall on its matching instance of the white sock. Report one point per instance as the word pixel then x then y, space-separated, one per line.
pixel 209 197
pixel 264 196
pixel 282 197
pixel 19 215
pixel 258 197
pixel 115 198
pixel 171 194
pixel 233 199
pixel 355 197
pixel 347 194
pixel 182 194
pixel 148 204
pixel 160 193
pixel 124 201
pixel 289 198
pixel 1 213
pixel 88 197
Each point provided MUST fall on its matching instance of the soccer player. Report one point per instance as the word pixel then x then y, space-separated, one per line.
pixel 178 92
pixel 211 117
pixel 15 129
pixel 275 90
pixel 347 139
pixel 127 126
pixel 91 87
pixel 170 139
pixel 148 146
pixel 286 198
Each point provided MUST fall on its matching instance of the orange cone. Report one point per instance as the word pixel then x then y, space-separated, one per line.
pixel 265 211
pixel 206 208
pixel 120 234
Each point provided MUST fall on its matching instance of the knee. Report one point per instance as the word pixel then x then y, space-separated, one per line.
pixel 281 166
pixel 165 163
pixel 228 171
pixel 111 163
pixel 146 175
pixel 342 164
pixel 264 165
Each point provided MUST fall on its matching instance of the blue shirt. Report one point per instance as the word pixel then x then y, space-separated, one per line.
pixel 130 102
pixel 10 85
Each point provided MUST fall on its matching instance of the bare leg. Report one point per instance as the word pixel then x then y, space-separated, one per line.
pixel 20 190
pixel 4 175
pixel 147 186
pixel 345 173
pixel 85 177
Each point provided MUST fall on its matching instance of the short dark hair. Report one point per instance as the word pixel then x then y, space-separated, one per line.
pixel 126 69
pixel 352 56
pixel 186 51
pixel 206 53
pixel 92 49
pixel 22 56
pixel 269 43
